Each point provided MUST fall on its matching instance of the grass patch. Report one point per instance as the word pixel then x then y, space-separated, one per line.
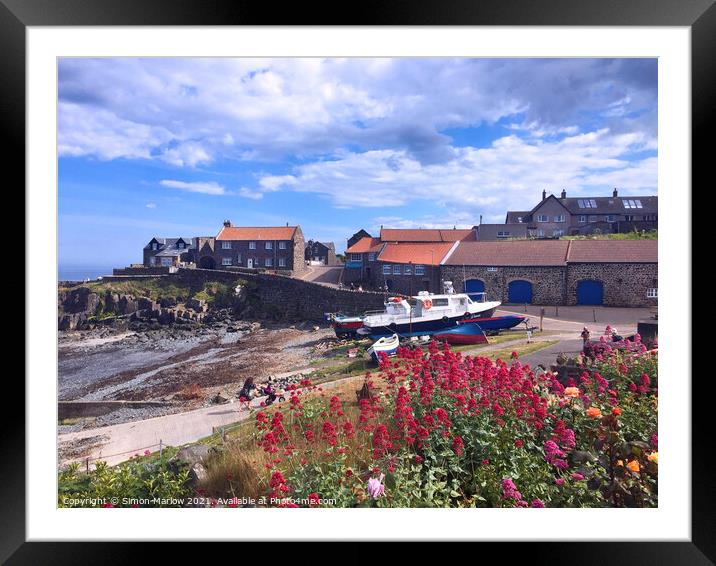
pixel 522 350
pixel 650 235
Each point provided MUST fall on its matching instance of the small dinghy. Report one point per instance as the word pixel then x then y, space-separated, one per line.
pixel 387 344
pixel 462 334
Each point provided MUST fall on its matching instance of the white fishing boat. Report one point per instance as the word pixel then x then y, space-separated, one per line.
pixel 387 344
pixel 426 313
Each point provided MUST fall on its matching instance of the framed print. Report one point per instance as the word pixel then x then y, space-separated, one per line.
pixel 295 278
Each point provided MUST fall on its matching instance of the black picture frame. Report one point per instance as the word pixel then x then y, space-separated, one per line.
pixel 17 15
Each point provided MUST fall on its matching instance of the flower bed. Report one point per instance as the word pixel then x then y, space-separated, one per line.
pixel 440 429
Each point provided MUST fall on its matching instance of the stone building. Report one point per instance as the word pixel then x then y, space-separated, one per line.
pixel 273 248
pixel 320 253
pixel 553 217
pixel 557 272
pixel 169 252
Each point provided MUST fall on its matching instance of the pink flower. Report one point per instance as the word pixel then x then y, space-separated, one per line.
pixel 375 487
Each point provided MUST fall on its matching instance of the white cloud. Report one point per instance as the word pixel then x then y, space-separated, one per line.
pixel 509 174
pixel 210 188
pixel 192 111
pixel 151 205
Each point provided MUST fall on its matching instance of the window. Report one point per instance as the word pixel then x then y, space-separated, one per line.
pixel 652 293
pixel 611 218
pixel 587 203
pixel 441 302
pixel 650 217
pixel 252 245
pixel 386 270
pixel 503 234
pixel 592 217
pixel 631 203
pixel 371 257
pixel 155 246
pixel 238 259
pixel 583 218
pixel 153 260
pixel 542 218
pixel 408 270
pixel 166 261
pixel 558 233
pixel 628 217
pixel 282 245
pixel 225 245
pixel 419 270
pixel 396 270
pixel 559 218
pixel 540 233
pixel 268 262
pixel 269 245
pixel 282 262
pixel 356 257
pixel 225 261
pixel 181 245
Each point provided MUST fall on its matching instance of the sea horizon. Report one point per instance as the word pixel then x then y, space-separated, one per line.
pixel 82 272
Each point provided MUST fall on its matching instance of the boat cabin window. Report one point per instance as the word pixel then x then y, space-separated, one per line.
pixel 440 302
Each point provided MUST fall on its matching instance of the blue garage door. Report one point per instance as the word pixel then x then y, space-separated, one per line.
pixel 519 292
pixel 474 286
pixel 590 293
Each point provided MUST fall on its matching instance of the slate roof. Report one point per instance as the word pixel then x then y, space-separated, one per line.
pixel 238 233
pixel 168 246
pixel 422 253
pixel 514 252
pixel 604 205
pixel 553 252
pixel 613 251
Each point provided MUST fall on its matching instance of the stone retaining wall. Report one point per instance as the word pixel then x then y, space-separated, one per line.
pixel 79 409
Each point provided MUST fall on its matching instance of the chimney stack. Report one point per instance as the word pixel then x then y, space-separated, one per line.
pixel 564 193
pixel 227 223
pixel 481 219
pixel 615 193
pixel 544 194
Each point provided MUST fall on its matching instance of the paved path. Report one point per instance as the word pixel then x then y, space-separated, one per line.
pixel 325 275
pixel 126 439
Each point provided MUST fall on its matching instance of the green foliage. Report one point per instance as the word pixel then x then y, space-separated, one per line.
pixel 143 483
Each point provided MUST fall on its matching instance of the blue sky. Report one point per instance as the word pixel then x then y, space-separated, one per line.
pixel 172 147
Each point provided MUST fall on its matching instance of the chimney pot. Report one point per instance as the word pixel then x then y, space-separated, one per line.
pixel 544 194
pixel 564 193
pixel 227 223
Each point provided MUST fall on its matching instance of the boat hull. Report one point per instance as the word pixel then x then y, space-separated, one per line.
pixel 384 345
pixel 496 322
pixel 417 327
pixel 462 334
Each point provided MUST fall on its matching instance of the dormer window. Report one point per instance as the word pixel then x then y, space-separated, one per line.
pixel 181 245
pixel 155 246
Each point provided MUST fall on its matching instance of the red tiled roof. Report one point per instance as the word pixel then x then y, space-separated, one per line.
pixel 613 251
pixel 515 252
pixel 235 233
pixel 363 245
pixel 422 235
pixel 416 253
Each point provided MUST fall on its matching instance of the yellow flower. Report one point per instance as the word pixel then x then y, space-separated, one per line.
pixel 572 391
pixel 634 466
pixel 653 457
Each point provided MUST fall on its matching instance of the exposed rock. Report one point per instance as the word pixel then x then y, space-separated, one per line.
pixel 197 474
pixel 193 454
